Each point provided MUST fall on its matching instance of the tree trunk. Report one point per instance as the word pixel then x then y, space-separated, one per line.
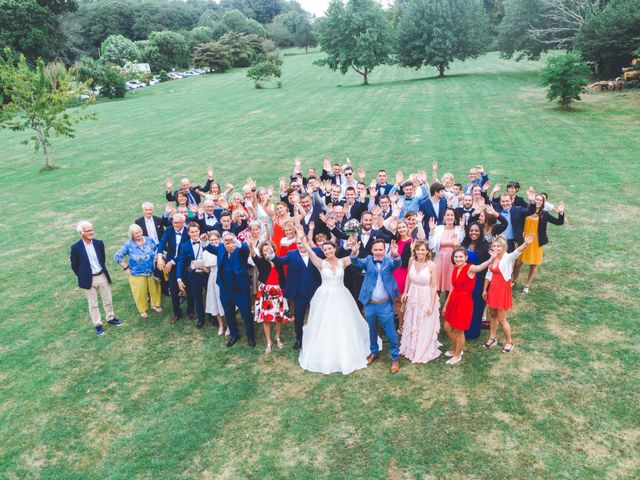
pixel 306 49
pixel 441 70
pixel 45 151
pixel 366 73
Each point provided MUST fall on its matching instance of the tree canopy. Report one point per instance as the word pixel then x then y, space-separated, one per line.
pixel 356 36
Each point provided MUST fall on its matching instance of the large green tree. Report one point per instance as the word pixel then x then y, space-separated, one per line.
pixel 214 55
pixel 437 32
pixel 357 36
pixel 118 50
pixel 609 39
pixel 38 101
pixel 28 28
pixel 166 51
pixel 566 76
pixel 300 27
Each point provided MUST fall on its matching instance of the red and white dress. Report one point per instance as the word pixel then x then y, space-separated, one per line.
pixel 270 305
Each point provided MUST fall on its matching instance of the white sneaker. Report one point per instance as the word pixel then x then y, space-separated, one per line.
pixel 454 360
pixel 449 353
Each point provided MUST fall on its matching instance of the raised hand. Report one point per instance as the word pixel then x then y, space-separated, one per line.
pixel 393 248
pixel 169 208
pixel 348 161
pixel 463 220
pixel 326 164
pixel 210 172
pixel 422 176
pixel 394 197
pixel 560 207
pixel 229 187
pixel 377 211
pixel 400 203
pixel 193 208
pixel 419 217
pixel 296 166
pixel 168 183
pixel 361 174
pixel 312 225
pixel 529 238
pixel 496 188
pixel 434 166
pixel 531 194
pixel 399 177
pixel 200 210
pixel 432 224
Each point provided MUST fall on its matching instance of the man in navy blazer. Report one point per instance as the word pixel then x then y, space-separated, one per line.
pixel 379 291
pixel 302 281
pixel 428 206
pixel 173 237
pixel 234 281
pixel 88 263
pixel 515 218
pixel 193 275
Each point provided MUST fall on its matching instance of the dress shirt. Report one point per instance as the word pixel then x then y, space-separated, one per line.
pixel 379 292
pixel 151 229
pixel 508 232
pixel 305 259
pixel 140 256
pixel 178 240
pixel 210 220
pixel 93 257
pixel 365 237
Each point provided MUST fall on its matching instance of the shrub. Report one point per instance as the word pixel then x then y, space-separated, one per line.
pixel 566 76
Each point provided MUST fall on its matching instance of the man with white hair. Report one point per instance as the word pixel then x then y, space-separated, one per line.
pixel 150 224
pixel 185 186
pixel 88 263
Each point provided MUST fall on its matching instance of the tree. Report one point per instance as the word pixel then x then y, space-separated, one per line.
pixel 437 32
pixel 200 35
pixel 279 33
pixel 266 69
pixel 214 55
pixel 118 50
pixel 28 28
pixel 300 27
pixel 240 50
pixel 166 50
pixel 609 39
pixel 38 101
pixel 566 76
pixel 236 21
pixel 357 36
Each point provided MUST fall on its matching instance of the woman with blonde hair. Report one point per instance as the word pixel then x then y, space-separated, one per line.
pixel 497 289
pixel 422 312
pixel 139 269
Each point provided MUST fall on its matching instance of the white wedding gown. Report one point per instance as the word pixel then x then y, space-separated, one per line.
pixel 336 336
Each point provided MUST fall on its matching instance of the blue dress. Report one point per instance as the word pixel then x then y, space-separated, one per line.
pixel 478 302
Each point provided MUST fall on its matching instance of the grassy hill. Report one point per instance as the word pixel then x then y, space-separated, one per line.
pixel 156 401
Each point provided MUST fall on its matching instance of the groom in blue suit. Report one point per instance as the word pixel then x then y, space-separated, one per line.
pixel 379 291
pixel 303 279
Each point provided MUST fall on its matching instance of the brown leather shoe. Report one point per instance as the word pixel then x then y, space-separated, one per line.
pixel 372 358
pixel 395 366
pixel 175 320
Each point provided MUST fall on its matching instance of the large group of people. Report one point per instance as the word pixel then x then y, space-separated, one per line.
pixel 354 257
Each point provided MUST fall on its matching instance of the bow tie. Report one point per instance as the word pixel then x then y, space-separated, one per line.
pixel 211 216
pixel 377 261
pixel 195 243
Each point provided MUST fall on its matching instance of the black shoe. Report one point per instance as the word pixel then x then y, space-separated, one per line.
pixel 115 322
pixel 192 315
pixel 297 345
pixel 175 320
pixel 200 324
pixel 251 343
pixel 232 341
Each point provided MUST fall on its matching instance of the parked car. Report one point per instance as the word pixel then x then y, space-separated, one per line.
pixel 191 73
pixel 175 75
pixel 155 80
pixel 134 85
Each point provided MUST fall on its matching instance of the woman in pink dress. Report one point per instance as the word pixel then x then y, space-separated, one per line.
pixel 403 239
pixel 442 240
pixel 422 314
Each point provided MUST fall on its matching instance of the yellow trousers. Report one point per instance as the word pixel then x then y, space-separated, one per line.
pixel 143 288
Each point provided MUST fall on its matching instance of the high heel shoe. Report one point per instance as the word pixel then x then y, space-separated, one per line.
pixel 268 349
pixel 220 330
pixel 279 343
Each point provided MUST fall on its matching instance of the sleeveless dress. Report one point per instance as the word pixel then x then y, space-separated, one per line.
pixel 270 306
pixel 499 293
pixel 443 260
pixel 400 274
pixel 460 306
pixel 420 332
pixel 532 254
pixel 479 303
pixel 336 336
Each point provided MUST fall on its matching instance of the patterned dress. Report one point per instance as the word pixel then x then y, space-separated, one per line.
pixel 270 305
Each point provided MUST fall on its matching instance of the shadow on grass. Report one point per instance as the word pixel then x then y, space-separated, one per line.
pixel 407 81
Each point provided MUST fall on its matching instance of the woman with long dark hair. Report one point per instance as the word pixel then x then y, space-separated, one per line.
pixel 477 253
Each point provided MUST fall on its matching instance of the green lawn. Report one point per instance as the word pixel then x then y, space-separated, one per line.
pixel 156 401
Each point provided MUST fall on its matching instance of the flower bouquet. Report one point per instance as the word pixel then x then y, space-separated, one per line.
pixel 352 227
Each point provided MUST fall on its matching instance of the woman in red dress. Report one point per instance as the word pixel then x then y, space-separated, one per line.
pixel 458 309
pixel 497 289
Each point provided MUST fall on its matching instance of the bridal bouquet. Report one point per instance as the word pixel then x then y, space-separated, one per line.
pixel 352 227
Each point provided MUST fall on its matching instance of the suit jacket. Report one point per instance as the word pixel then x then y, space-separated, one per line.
pixel 157 221
pixel 426 207
pixel 518 214
pixel 371 276
pixel 171 197
pixel 356 210
pixel 365 250
pixel 204 228
pixel 461 211
pixel 319 225
pixel 542 226
pixel 80 262
pixel 186 256
pixel 239 265
pixel 301 280
pixel 168 243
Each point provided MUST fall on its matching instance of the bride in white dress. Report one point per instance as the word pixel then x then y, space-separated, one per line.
pixel 336 336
